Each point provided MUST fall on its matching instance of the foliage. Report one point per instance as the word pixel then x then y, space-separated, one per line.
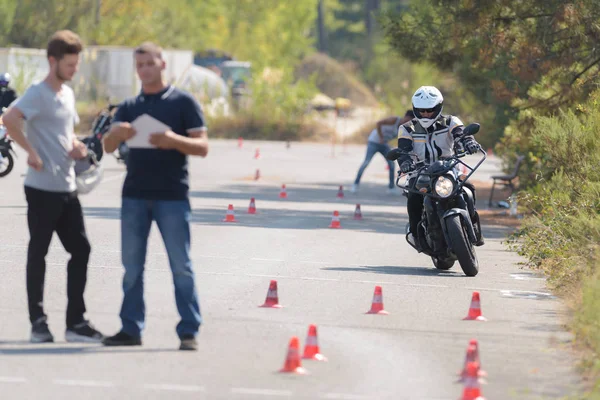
pixel 536 55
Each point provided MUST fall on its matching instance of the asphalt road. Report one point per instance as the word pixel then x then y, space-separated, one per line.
pixel 325 276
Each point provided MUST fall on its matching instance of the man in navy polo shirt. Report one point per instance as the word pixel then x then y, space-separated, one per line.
pixel 156 189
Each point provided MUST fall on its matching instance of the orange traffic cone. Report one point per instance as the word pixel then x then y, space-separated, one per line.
pixel 293 363
pixel 490 152
pixel 272 300
pixel 335 221
pixel 472 388
pixel 230 216
pixel 283 193
pixel 377 304
pixel 357 212
pixel 475 309
pixel 340 193
pixel 311 347
pixel 257 175
pixel 240 141
pixel 472 356
pixel 252 206
pixel 257 154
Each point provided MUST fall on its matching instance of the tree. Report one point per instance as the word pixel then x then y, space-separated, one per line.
pixel 517 55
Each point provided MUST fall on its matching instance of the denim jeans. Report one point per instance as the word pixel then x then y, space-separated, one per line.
pixel 372 149
pixel 173 221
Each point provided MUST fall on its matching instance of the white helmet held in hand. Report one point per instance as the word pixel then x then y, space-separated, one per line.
pixel 88 173
pixel 427 98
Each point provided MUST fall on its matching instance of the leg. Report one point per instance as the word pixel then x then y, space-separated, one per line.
pixel 491 194
pixel 136 220
pixel 43 211
pixel 415 210
pixel 71 232
pixel 173 220
pixel 384 148
pixel 371 150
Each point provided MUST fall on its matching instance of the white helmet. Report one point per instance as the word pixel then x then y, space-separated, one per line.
pixel 88 174
pixel 427 98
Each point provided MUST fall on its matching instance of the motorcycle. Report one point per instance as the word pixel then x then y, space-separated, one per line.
pixel 100 127
pixel 6 152
pixel 449 228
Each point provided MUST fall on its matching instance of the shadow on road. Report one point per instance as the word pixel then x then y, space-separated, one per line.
pixel 29 349
pixel 399 270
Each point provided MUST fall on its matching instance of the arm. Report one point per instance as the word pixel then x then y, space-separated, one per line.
pixel 195 145
pixel 119 131
pixel 385 121
pixel 13 120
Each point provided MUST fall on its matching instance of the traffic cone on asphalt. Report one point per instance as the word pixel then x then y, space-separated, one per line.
pixel 283 193
pixel 311 347
pixel 293 363
pixel 472 356
pixel 357 212
pixel 475 309
pixel 240 142
pixel 257 154
pixel 230 216
pixel 340 193
pixel 257 175
pixel 252 206
pixel 335 221
pixel 377 304
pixel 272 300
pixel 472 387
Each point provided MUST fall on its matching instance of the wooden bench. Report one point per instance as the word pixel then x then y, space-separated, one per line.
pixel 506 180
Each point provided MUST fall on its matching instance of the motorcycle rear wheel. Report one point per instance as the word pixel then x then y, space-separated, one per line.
pixel 10 165
pixel 461 246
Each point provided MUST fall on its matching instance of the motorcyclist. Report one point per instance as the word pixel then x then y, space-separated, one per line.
pixel 7 94
pixel 429 136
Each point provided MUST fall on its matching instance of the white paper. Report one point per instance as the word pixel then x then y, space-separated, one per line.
pixel 144 126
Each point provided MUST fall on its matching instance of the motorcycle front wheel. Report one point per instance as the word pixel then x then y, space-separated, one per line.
pixel 6 164
pixel 442 264
pixel 461 246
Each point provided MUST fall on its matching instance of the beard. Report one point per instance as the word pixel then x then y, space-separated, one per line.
pixel 61 76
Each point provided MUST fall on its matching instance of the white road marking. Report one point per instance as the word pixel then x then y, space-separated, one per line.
pixel 175 388
pixel 342 396
pixel 522 277
pixel 261 392
pixel 12 379
pixel 267 259
pixel 73 382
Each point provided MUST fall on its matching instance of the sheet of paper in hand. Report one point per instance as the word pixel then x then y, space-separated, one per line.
pixel 144 126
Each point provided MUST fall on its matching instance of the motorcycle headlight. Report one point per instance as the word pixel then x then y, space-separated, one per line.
pixel 444 186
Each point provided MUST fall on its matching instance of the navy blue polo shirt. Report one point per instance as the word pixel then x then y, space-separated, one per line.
pixel 156 174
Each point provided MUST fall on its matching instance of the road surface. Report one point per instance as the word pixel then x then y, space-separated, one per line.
pixel 325 277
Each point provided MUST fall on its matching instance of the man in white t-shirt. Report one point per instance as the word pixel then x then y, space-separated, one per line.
pixel 385 130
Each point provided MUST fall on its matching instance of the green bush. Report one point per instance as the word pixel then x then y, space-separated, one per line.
pixel 561 232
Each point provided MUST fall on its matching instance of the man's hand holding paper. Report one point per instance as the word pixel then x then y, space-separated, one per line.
pixel 145 126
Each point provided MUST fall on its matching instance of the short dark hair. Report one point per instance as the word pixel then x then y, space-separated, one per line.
pixel 410 113
pixel 62 43
pixel 149 48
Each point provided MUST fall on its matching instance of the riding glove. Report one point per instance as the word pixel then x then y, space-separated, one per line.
pixel 471 145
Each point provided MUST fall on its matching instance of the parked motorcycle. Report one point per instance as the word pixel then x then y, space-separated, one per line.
pixel 7 152
pixel 449 227
pixel 100 127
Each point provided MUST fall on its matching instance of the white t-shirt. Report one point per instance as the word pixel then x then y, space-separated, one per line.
pixel 389 132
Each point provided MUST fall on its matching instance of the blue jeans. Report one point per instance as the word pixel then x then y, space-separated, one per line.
pixel 372 149
pixel 173 220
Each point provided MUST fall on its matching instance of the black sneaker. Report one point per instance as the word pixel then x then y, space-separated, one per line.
pixel 122 339
pixel 188 342
pixel 40 332
pixel 84 332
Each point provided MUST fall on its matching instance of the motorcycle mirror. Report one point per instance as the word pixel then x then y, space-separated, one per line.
pixel 471 129
pixel 394 154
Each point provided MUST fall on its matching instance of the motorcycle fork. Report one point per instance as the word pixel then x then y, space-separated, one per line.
pixel 433 223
